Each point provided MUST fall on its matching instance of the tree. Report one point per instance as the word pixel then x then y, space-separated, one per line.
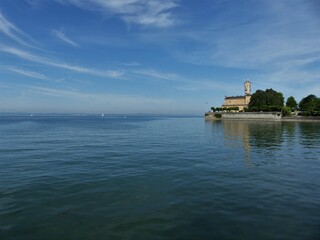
pixel 266 100
pixel 213 109
pixel 310 104
pixel 291 103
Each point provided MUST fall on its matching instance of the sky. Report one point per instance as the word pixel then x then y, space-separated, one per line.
pixel 153 56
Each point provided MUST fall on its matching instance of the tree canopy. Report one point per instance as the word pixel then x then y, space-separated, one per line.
pixel 219 109
pixel 268 100
pixel 291 103
pixel 310 104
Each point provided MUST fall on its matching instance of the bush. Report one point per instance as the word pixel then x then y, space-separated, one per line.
pixel 286 111
pixel 233 109
pixel 265 108
pixel 254 109
pixel 305 113
pixel 218 115
pixel 276 108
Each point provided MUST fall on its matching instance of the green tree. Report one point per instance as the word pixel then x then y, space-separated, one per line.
pixel 213 109
pixel 266 100
pixel 310 104
pixel 291 103
pixel 286 111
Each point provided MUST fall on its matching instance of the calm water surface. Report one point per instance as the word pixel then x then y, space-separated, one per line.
pixel 158 178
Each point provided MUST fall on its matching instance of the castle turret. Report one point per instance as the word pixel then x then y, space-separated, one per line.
pixel 247 88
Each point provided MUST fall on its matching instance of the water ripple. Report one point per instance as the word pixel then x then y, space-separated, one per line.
pixel 158 178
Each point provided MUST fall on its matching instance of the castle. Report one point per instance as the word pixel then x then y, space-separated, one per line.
pixel 239 101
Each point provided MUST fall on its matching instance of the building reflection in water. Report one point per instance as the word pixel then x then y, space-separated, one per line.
pixel 251 136
pixel 237 135
pixel 265 142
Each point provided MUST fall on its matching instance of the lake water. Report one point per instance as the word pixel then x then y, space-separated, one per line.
pixel 158 178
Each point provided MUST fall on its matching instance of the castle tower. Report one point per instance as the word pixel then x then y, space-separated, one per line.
pixel 247 88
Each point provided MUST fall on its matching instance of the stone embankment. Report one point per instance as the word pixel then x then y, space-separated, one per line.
pixel 274 116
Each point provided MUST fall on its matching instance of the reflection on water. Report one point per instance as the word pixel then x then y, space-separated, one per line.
pixel 309 134
pixel 269 140
pixel 158 178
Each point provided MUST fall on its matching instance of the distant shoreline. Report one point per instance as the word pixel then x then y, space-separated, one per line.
pixel 99 115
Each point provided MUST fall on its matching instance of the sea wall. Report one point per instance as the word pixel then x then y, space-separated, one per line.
pixel 244 116
pixel 252 115
pixel 209 116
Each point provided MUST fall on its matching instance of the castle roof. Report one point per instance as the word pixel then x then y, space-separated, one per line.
pixel 233 97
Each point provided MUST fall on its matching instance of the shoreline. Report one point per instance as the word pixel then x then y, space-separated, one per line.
pixel 300 119
pixel 257 116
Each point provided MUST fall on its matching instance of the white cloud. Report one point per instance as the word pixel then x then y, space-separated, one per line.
pixel 64 38
pixel 278 44
pixel 46 61
pixel 154 74
pixel 157 13
pixel 27 73
pixel 11 31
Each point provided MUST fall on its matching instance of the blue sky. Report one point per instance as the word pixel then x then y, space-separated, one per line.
pixel 153 56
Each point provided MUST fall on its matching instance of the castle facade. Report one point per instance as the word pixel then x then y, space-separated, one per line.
pixel 239 101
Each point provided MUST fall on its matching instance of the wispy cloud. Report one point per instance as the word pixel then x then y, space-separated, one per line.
pixel 154 74
pixel 34 3
pixel 279 45
pixel 27 73
pixel 131 64
pixel 64 38
pixel 46 61
pixel 14 33
pixel 184 83
pixel 89 96
pixel 156 13
pixel 75 100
